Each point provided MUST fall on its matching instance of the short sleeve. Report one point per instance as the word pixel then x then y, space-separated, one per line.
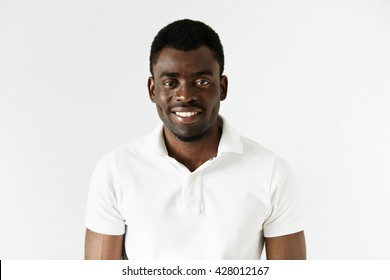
pixel 285 213
pixel 102 211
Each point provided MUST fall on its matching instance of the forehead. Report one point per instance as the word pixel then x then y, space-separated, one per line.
pixel 174 60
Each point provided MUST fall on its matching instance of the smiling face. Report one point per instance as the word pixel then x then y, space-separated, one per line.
pixel 187 89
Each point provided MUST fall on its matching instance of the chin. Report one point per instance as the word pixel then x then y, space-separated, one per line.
pixel 188 139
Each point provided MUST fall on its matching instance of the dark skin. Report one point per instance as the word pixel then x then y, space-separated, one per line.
pixel 187 89
pixel 188 82
pixel 102 246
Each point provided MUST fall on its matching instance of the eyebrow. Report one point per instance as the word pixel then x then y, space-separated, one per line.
pixel 196 74
pixel 169 74
pixel 204 73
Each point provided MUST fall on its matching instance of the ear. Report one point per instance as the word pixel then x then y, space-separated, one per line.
pixel 151 87
pixel 224 88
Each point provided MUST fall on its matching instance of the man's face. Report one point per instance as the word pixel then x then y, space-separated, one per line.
pixel 187 89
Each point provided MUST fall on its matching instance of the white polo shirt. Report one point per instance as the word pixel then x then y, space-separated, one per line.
pixel 222 210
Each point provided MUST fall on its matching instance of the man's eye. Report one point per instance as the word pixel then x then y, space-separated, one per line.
pixel 169 84
pixel 202 82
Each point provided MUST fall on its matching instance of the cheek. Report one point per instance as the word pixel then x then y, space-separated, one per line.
pixel 213 100
pixel 216 107
pixel 161 101
pixel 163 95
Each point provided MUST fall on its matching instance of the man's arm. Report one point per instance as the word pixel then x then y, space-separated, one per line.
pixel 103 247
pixel 287 247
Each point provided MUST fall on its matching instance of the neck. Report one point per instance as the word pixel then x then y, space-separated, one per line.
pixel 193 154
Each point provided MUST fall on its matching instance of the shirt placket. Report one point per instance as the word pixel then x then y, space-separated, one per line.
pixel 191 186
pixel 192 192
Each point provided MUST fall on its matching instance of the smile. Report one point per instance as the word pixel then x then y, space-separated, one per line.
pixel 186 114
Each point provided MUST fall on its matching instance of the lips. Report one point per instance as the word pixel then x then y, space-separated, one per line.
pixel 184 111
pixel 186 114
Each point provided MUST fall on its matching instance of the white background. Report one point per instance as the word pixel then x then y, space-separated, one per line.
pixel 308 79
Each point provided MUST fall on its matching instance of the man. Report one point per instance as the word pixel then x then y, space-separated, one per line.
pixel 194 188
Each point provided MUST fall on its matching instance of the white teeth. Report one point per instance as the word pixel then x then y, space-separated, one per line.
pixel 186 114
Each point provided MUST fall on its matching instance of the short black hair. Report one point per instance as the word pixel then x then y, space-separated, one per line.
pixel 187 35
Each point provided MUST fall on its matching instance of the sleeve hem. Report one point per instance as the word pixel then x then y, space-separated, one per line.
pixel 274 231
pixel 106 230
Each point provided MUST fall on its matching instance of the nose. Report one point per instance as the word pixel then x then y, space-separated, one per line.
pixel 185 93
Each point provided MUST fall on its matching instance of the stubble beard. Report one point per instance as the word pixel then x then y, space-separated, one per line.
pixel 183 134
pixel 187 135
pixel 190 139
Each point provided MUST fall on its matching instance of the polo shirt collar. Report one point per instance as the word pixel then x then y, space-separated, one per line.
pixel 230 140
pixel 155 144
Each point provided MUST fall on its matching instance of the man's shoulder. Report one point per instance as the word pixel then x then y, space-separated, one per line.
pixel 252 147
pixel 250 150
pixel 263 157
